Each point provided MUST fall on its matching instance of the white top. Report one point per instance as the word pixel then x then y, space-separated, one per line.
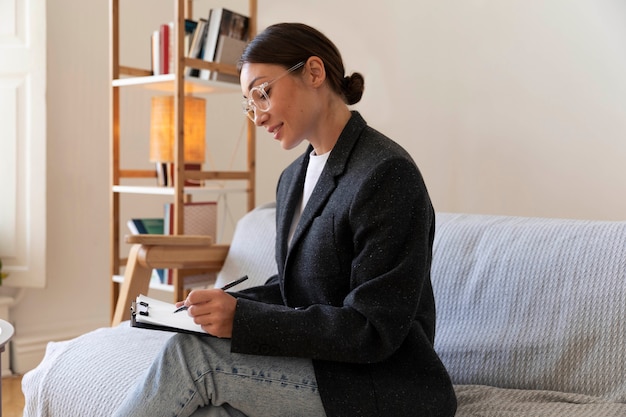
pixel 313 172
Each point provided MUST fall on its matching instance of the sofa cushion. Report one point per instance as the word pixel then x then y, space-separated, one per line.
pixel 252 249
pixel 532 303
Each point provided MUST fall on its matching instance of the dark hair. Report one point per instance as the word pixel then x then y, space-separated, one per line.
pixel 287 44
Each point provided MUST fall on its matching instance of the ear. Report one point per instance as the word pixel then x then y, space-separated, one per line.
pixel 316 71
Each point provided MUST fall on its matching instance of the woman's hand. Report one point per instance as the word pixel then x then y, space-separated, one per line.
pixel 213 310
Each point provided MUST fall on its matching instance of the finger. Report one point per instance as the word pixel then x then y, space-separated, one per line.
pixel 200 296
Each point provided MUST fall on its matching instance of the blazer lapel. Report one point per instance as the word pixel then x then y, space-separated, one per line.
pixel 327 182
pixel 294 194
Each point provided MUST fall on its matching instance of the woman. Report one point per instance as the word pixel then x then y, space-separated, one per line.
pixel 346 327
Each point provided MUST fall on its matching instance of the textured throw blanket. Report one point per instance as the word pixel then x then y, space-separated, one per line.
pixel 484 401
pixel 536 306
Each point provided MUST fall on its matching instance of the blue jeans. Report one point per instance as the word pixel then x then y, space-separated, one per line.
pixel 196 371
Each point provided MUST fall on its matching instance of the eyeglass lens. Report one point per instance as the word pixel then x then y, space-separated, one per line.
pixel 259 98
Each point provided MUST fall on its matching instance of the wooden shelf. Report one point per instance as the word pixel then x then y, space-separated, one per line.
pixel 154 190
pixel 178 85
pixel 165 83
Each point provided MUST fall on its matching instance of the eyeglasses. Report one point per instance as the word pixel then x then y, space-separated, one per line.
pixel 258 99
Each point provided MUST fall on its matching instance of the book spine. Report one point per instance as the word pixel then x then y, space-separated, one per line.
pixel 170 169
pixel 210 43
pixel 164 48
pixel 133 227
pixel 155 52
pixel 160 168
pixel 195 49
pixel 190 27
pixel 171 48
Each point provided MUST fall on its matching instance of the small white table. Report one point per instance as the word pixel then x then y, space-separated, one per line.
pixel 6 333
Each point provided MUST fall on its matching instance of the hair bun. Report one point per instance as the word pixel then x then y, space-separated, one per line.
pixel 353 86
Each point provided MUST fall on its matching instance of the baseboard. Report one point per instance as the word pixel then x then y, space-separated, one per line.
pixel 27 351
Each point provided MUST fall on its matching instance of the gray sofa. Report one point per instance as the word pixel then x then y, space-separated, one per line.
pixel 530 321
pixel 531 314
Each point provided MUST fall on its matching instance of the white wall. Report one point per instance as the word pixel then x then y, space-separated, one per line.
pixel 509 107
pixel 512 107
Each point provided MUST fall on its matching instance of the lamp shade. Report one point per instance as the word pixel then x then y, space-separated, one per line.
pixel 162 129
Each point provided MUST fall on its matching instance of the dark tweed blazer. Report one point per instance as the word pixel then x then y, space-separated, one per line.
pixel 353 291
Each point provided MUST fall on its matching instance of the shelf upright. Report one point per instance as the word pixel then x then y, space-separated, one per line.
pixel 114 115
pixel 179 154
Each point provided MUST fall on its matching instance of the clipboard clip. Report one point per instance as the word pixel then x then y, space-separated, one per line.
pixel 142 309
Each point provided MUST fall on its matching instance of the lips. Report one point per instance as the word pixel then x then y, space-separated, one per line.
pixel 274 130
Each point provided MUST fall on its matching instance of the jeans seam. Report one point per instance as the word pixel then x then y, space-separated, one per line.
pixel 257 378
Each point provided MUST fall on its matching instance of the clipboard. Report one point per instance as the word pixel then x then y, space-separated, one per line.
pixel 149 313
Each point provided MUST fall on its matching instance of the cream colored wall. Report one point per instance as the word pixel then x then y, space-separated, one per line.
pixel 509 107
pixel 512 107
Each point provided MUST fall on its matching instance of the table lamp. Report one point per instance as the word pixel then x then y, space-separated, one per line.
pixel 162 134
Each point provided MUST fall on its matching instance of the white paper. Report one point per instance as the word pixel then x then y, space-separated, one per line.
pixel 162 314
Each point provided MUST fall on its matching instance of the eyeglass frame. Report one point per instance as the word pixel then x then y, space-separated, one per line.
pixel 250 108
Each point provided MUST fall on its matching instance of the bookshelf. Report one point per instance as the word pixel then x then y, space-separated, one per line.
pixel 178 85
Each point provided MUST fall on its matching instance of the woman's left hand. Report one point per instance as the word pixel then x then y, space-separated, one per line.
pixel 213 310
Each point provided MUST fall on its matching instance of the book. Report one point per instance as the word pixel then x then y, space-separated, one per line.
pixel 153 226
pixel 164 48
pixel 171 47
pixel 222 22
pixel 149 313
pixel 190 28
pixel 155 53
pixel 200 218
pixel 228 51
pixel 162 173
pixel 195 47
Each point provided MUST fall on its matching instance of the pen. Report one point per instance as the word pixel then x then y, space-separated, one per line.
pixel 224 288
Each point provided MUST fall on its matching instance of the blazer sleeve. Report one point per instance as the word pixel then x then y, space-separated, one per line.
pixel 266 293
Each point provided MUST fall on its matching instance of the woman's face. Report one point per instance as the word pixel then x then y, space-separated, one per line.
pixel 289 118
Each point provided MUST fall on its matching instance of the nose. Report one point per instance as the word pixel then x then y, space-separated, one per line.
pixel 259 117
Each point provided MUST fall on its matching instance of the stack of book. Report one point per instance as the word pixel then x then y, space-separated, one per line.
pixel 162 46
pixel 221 38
